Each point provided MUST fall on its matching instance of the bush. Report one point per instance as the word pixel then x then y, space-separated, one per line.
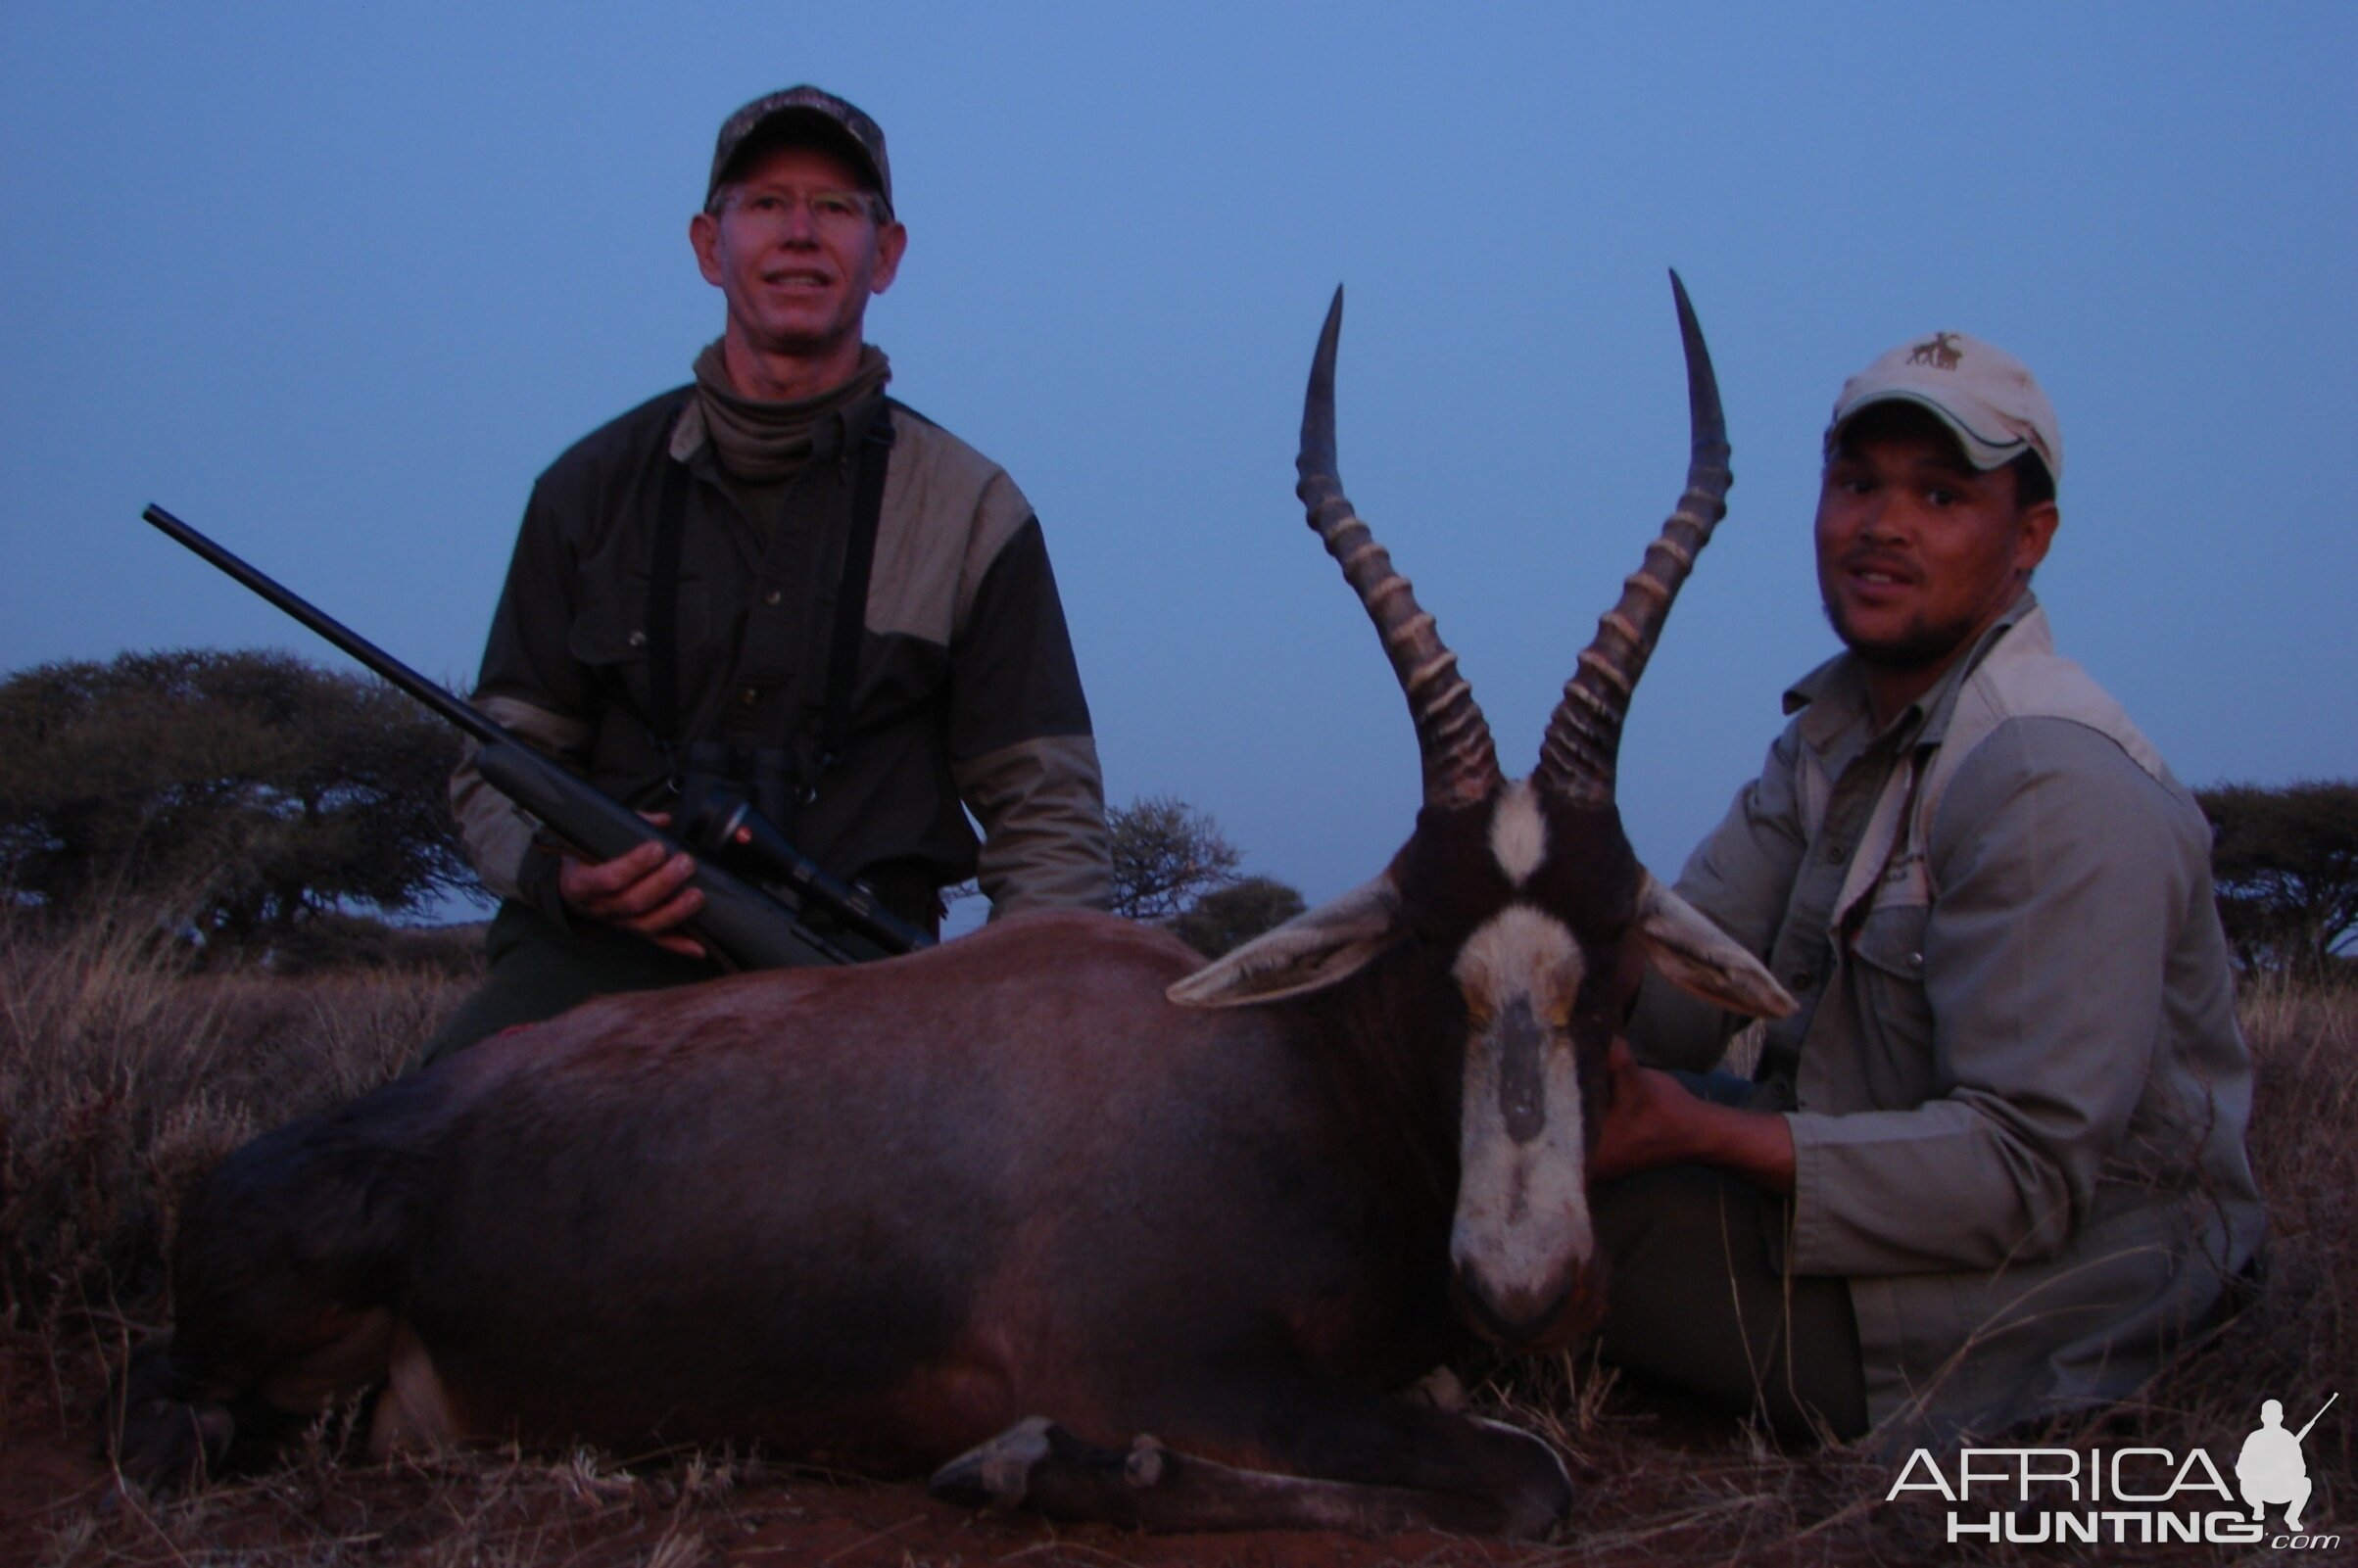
pixel 1227 918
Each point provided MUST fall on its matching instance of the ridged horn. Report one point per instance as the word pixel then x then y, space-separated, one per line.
pixel 1584 735
pixel 1461 766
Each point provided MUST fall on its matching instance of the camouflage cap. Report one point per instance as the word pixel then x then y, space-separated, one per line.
pixel 838 124
pixel 1982 393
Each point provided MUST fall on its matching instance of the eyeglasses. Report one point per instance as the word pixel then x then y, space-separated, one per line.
pixel 827 209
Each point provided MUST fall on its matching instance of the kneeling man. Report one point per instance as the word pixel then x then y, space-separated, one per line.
pixel 1993 1166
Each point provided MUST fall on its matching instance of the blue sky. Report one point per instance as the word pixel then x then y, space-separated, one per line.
pixel 334 283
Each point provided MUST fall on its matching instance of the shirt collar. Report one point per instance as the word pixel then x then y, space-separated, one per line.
pixel 692 435
pixel 688 433
pixel 1831 699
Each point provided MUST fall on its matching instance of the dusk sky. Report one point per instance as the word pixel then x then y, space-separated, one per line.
pixel 335 282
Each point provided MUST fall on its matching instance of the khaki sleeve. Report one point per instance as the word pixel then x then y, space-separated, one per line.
pixel 1739 877
pixel 497 831
pixel 1041 806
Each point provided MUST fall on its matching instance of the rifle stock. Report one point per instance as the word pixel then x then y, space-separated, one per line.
pixel 743 926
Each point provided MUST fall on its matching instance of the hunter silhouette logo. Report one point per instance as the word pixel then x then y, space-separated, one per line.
pixel 1938 351
pixel 2270 1470
pixel 2125 1496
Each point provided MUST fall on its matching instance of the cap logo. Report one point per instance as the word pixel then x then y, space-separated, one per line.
pixel 856 134
pixel 1937 350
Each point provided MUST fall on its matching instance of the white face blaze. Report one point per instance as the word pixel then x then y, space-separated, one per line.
pixel 1518 833
pixel 1522 1224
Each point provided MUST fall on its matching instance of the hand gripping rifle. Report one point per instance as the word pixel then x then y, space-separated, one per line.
pixel 746 925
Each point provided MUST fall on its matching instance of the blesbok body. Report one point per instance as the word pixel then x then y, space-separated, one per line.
pixel 1002 1208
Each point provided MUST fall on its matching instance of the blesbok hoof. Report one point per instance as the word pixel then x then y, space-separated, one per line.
pixel 996 1474
pixel 167 1447
pixel 1145 1466
pixel 1440 1388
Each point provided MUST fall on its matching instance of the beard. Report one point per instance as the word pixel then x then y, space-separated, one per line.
pixel 1919 646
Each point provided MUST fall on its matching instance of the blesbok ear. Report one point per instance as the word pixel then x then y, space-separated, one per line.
pixel 1700 957
pixel 1308 953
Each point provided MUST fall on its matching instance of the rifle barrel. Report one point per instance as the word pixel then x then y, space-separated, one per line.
pixel 743 922
pixel 335 631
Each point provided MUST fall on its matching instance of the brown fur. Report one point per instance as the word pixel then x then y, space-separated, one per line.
pixel 878 1217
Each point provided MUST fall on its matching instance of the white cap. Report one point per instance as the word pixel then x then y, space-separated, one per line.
pixel 1984 394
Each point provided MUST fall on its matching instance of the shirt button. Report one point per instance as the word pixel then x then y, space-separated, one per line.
pixel 1836 854
pixel 637 639
pixel 772 597
pixel 750 696
pixel 1915 960
pixel 1797 981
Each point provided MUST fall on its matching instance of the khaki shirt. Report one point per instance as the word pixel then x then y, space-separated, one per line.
pixel 2016 1088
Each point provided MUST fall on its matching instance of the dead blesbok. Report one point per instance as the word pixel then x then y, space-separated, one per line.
pixel 1002 1208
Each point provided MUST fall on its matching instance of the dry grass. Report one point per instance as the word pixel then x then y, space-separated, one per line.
pixel 122 1077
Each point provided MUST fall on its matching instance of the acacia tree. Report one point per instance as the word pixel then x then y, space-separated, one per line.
pixel 2285 863
pixel 252 788
pixel 1173 865
pixel 1167 854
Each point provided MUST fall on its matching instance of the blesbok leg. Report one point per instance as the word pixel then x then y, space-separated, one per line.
pixel 1356 1461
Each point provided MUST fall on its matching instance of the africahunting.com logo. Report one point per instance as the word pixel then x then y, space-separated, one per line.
pixel 2128 1496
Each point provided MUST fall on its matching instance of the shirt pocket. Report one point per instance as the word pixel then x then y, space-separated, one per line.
pixel 1892 1009
pixel 610 637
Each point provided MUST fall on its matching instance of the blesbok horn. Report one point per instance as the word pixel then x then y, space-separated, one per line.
pixel 1584 735
pixel 1461 766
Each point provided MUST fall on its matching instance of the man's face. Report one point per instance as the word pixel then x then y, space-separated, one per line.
pixel 1918 552
pixel 795 261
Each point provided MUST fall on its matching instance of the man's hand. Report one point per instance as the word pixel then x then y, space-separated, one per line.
pixel 645 891
pixel 1651 1121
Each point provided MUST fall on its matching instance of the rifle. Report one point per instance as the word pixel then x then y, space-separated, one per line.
pixel 746 925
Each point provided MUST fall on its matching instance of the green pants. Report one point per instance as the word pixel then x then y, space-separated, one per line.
pixel 1697 1301
pixel 538 969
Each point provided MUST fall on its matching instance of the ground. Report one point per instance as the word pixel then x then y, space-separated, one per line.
pixel 1653 1501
